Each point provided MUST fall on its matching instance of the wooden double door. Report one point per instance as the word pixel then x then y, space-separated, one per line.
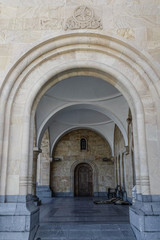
pixel 83 180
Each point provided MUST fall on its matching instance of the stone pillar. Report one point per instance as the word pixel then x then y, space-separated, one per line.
pixel 121 170
pixel 19 218
pixel 36 152
pixel 145 217
pixel 125 152
pixel 116 172
pixel 124 169
pixel 43 188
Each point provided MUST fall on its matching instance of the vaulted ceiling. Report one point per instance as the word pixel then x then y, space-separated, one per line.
pixel 81 102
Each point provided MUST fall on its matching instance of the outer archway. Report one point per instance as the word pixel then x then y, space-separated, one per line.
pixel 88 54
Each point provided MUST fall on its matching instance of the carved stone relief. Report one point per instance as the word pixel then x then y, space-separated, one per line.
pixel 83 18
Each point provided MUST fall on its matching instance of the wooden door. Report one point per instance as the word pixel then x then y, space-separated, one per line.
pixel 83 180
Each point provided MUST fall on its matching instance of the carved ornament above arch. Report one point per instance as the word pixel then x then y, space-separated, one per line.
pixel 83 18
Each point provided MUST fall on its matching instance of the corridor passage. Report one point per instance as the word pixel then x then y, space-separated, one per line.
pixel 81 219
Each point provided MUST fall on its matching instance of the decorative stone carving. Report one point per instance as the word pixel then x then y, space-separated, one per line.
pixel 83 18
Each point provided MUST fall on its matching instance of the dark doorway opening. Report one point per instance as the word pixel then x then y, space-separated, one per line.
pixel 83 180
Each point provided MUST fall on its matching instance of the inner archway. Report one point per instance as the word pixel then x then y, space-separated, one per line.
pixel 67 155
pixel 83 180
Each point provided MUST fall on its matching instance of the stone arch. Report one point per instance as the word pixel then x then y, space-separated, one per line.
pixel 75 128
pixel 40 68
pixel 95 174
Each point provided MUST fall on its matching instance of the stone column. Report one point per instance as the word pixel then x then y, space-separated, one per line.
pixel 121 170
pixel 124 170
pixel 116 173
pixel 117 170
pixel 36 152
pixel 43 188
pixel 125 152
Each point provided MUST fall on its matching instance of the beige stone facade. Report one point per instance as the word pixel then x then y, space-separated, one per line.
pixel 111 50
pixel 136 22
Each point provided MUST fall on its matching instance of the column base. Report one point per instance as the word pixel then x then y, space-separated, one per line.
pixel 145 217
pixel 43 192
pixel 19 220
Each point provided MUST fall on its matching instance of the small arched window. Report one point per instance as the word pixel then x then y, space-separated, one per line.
pixel 83 144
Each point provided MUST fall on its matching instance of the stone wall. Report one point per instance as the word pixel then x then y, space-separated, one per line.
pixel 26 23
pixel 68 150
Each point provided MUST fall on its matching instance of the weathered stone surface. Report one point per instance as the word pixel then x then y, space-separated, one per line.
pixel 122 18
pixel 19 220
pixel 68 150
pixel 145 217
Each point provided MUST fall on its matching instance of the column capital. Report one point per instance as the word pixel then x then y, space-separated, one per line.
pixel 36 149
pixel 129 120
pixel 125 150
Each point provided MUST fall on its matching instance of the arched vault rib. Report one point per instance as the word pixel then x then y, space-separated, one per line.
pixel 97 108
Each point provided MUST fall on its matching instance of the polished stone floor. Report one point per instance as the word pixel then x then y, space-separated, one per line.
pixel 81 219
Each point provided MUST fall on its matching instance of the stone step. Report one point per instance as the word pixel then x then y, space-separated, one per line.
pixel 85 232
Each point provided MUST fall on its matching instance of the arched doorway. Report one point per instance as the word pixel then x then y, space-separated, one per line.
pixel 83 180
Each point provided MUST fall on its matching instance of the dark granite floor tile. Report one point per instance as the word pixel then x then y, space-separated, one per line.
pixel 81 219
pixel 51 234
pixel 128 233
pixel 50 227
